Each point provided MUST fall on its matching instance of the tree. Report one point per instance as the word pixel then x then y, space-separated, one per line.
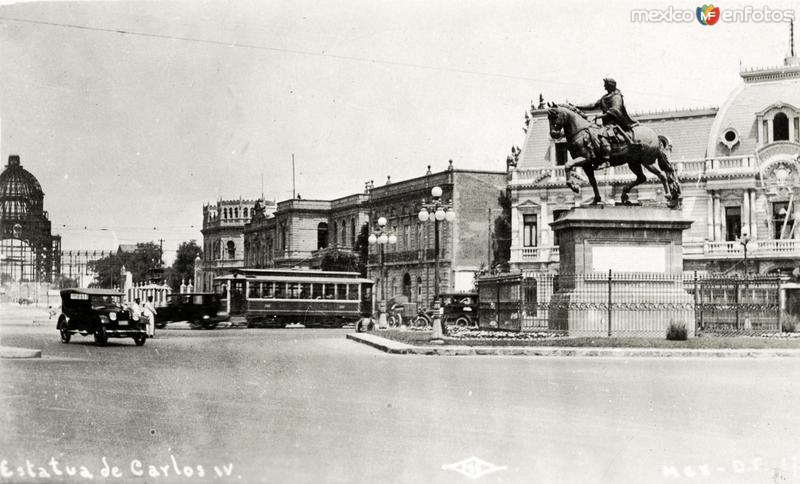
pixel 349 261
pixel 183 267
pixel 143 263
pixel 338 260
pixel 501 247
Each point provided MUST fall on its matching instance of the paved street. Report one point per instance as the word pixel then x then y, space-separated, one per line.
pixel 311 406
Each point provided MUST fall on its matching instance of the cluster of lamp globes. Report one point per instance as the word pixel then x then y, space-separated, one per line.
pixel 439 214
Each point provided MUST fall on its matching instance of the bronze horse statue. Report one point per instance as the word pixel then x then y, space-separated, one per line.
pixel 651 152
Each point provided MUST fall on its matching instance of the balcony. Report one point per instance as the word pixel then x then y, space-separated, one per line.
pixel 773 248
pixel 709 168
pixel 534 254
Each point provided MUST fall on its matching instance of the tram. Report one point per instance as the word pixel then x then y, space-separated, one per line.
pixel 278 297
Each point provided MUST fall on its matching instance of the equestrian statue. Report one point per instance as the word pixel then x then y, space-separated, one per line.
pixel 620 140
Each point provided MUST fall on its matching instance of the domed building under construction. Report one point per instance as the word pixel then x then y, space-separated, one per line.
pixel 29 252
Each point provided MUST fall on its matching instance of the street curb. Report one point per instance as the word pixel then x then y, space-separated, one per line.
pixel 389 346
pixel 11 352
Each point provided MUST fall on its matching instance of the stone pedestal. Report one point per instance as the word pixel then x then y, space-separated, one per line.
pixel 621 272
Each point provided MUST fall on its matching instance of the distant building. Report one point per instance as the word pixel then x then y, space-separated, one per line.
pixel 223 235
pixel 75 265
pixel 738 166
pixel 299 232
pixel 29 252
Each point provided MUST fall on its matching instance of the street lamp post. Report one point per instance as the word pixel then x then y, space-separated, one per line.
pixel 381 238
pixel 438 211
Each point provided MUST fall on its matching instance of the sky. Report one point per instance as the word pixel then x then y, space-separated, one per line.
pixel 133 115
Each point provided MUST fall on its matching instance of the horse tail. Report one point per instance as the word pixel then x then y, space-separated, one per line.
pixel 664 148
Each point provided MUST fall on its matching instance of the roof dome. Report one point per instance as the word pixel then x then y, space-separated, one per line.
pixel 20 192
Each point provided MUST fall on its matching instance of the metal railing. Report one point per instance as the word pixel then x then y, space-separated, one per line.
pixel 631 304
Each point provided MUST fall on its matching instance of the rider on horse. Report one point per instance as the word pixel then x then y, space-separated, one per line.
pixel 614 114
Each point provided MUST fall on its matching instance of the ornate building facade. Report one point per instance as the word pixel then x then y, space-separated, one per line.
pixel 298 232
pixel 29 252
pixel 738 166
pixel 223 237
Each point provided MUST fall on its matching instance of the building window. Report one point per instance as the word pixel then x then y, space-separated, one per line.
pixel 765 126
pixel 283 236
pixel 406 237
pixel 528 230
pixel 781 214
pixel 343 233
pixel 797 130
pixel 733 223
pixel 780 127
pixel 245 212
pixel 352 232
pixel 236 212
pixel 561 154
pixel 322 235
pixel 231 250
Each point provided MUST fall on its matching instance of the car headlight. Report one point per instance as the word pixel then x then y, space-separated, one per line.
pixel 104 320
pixel 206 316
pixel 112 316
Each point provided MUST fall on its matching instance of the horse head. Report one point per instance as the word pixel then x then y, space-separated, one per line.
pixel 557 117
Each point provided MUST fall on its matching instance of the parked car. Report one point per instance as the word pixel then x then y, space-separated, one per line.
pixel 200 309
pixel 98 312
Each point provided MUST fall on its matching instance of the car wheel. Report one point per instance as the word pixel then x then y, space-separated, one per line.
pixel 463 321
pixel 63 328
pixel 100 336
pixel 139 339
pixel 210 325
pixel 421 322
pixel 195 324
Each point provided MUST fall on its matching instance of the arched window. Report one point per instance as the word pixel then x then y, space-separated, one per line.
pixel 231 250
pixel 407 286
pixel 245 212
pixel 352 232
pixel 780 127
pixel 236 212
pixel 322 235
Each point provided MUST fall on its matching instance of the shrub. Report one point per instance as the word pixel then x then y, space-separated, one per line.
pixel 676 332
pixel 789 323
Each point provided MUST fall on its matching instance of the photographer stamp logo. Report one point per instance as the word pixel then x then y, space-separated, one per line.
pixel 473 467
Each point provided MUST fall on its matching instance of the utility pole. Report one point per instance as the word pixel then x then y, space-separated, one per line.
pixel 294 195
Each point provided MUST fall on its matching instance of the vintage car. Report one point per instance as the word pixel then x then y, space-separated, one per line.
pixel 98 312
pixel 200 309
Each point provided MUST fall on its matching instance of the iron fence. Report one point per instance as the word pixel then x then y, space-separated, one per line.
pixel 630 304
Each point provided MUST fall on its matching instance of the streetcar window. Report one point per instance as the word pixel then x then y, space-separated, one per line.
pixel 330 291
pixel 316 291
pixel 305 290
pixel 294 290
pixel 266 290
pixel 352 292
pixel 254 290
pixel 197 300
pixel 280 290
pixel 366 292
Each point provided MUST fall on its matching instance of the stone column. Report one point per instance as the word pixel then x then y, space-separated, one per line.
pixel 717 218
pixel 754 218
pixel 746 212
pixel 710 215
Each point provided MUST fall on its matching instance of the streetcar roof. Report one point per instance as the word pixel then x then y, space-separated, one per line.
pixel 295 272
pixel 296 278
pixel 92 291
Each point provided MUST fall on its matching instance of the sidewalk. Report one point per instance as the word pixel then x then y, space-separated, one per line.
pixel 390 346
